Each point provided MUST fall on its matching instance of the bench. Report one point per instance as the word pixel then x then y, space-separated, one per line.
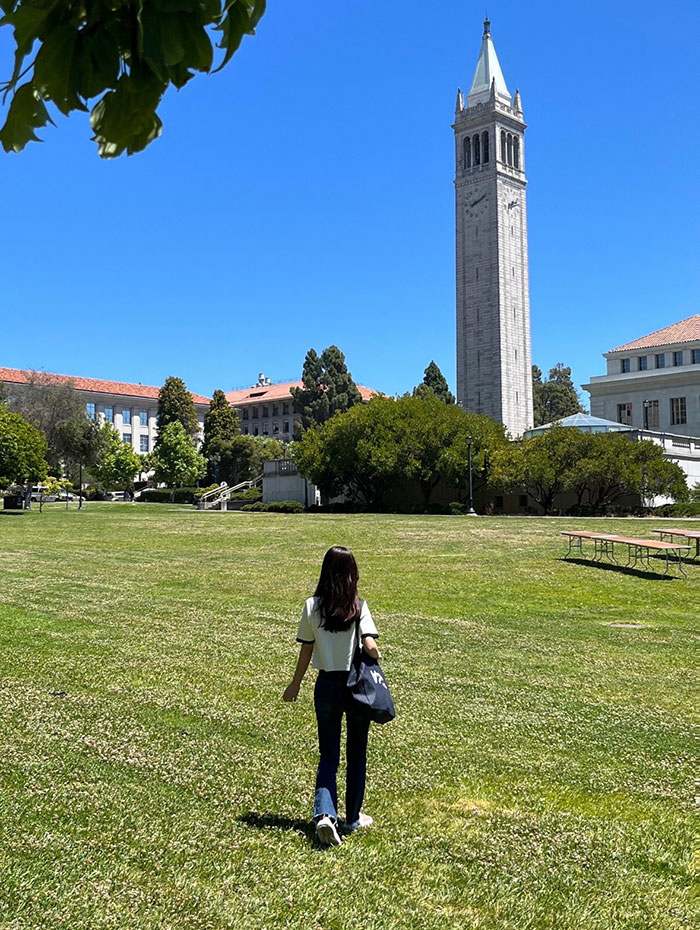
pixel 638 550
pixel 686 534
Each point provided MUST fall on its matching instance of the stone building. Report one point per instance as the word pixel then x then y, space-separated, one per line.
pixel 131 408
pixel 653 383
pixel 266 409
pixel 493 304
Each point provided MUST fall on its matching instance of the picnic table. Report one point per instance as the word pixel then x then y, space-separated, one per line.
pixel 686 534
pixel 638 550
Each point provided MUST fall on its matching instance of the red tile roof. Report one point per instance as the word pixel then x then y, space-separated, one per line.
pixel 687 330
pixel 266 392
pixel 95 385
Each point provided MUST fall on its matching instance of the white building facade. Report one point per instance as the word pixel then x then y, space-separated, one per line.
pixel 653 383
pixel 132 409
pixel 494 374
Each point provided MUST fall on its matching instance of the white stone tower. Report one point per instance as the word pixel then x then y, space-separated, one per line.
pixel 493 303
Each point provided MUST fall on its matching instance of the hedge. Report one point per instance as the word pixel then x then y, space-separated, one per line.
pixel 164 495
pixel 274 507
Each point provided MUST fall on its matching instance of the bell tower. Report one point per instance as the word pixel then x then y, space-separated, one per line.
pixel 494 374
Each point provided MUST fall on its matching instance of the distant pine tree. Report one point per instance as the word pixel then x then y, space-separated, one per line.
pixel 175 405
pixel 328 387
pixel 221 427
pixel 555 398
pixel 434 382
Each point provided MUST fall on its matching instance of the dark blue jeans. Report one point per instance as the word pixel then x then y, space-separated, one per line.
pixel 332 700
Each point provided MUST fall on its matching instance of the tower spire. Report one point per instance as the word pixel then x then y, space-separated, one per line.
pixel 488 69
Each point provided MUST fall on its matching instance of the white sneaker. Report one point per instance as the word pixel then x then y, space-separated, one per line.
pixel 327 833
pixel 364 820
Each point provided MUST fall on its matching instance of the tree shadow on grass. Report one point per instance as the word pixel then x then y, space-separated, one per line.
pixel 276 822
pixel 625 569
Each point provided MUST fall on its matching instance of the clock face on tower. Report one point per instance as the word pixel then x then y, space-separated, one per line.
pixel 477 204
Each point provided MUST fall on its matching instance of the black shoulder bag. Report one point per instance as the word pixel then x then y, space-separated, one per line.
pixel 368 685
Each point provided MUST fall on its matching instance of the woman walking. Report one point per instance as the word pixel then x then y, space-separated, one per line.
pixel 328 631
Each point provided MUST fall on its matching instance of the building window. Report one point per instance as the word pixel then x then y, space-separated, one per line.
pixel 509 148
pixel 275 410
pixel 266 410
pixel 255 431
pixel 678 415
pixel 143 443
pixel 677 359
pixel 126 417
pixel 275 428
pixel 285 426
pixel 484 147
pixel 642 362
pixel 265 429
pixel 90 410
pixel 503 147
pixel 467 152
pixel 660 360
pixel 245 430
pixel 109 414
pixel 651 414
pixel 126 439
pixel 624 365
pixel 143 417
pixel 522 500
pixel 255 414
pixel 245 413
pixel 285 409
pixel 624 414
pixel 695 355
pixel 516 151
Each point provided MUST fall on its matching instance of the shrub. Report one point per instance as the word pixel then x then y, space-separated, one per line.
pixel 164 495
pixel 458 508
pixel 690 509
pixel 284 507
pixel 274 507
pixel 252 495
pixel 200 491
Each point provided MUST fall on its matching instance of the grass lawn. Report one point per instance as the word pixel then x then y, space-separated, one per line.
pixel 538 774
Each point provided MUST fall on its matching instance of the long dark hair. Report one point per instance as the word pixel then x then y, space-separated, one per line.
pixel 336 590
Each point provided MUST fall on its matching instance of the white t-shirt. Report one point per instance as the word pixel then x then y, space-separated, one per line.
pixel 333 652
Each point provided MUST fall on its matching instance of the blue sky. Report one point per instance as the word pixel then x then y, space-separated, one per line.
pixel 304 196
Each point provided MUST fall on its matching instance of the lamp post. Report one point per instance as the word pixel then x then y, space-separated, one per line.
pixel 470 512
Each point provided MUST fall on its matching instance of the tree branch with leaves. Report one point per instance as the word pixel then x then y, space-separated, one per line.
pixel 122 54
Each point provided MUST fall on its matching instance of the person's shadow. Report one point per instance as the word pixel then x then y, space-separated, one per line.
pixel 276 822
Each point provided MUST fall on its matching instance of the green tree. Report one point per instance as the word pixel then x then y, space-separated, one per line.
pixel 616 467
pixel 555 398
pixel 327 388
pixel 487 437
pixel 83 443
pixel 544 466
pixel 221 427
pixel 23 450
pixel 118 464
pixel 49 486
pixel 47 403
pixel 434 382
pixel 175 460
pixel 357 453
pixel 121 55
pixel 175 405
